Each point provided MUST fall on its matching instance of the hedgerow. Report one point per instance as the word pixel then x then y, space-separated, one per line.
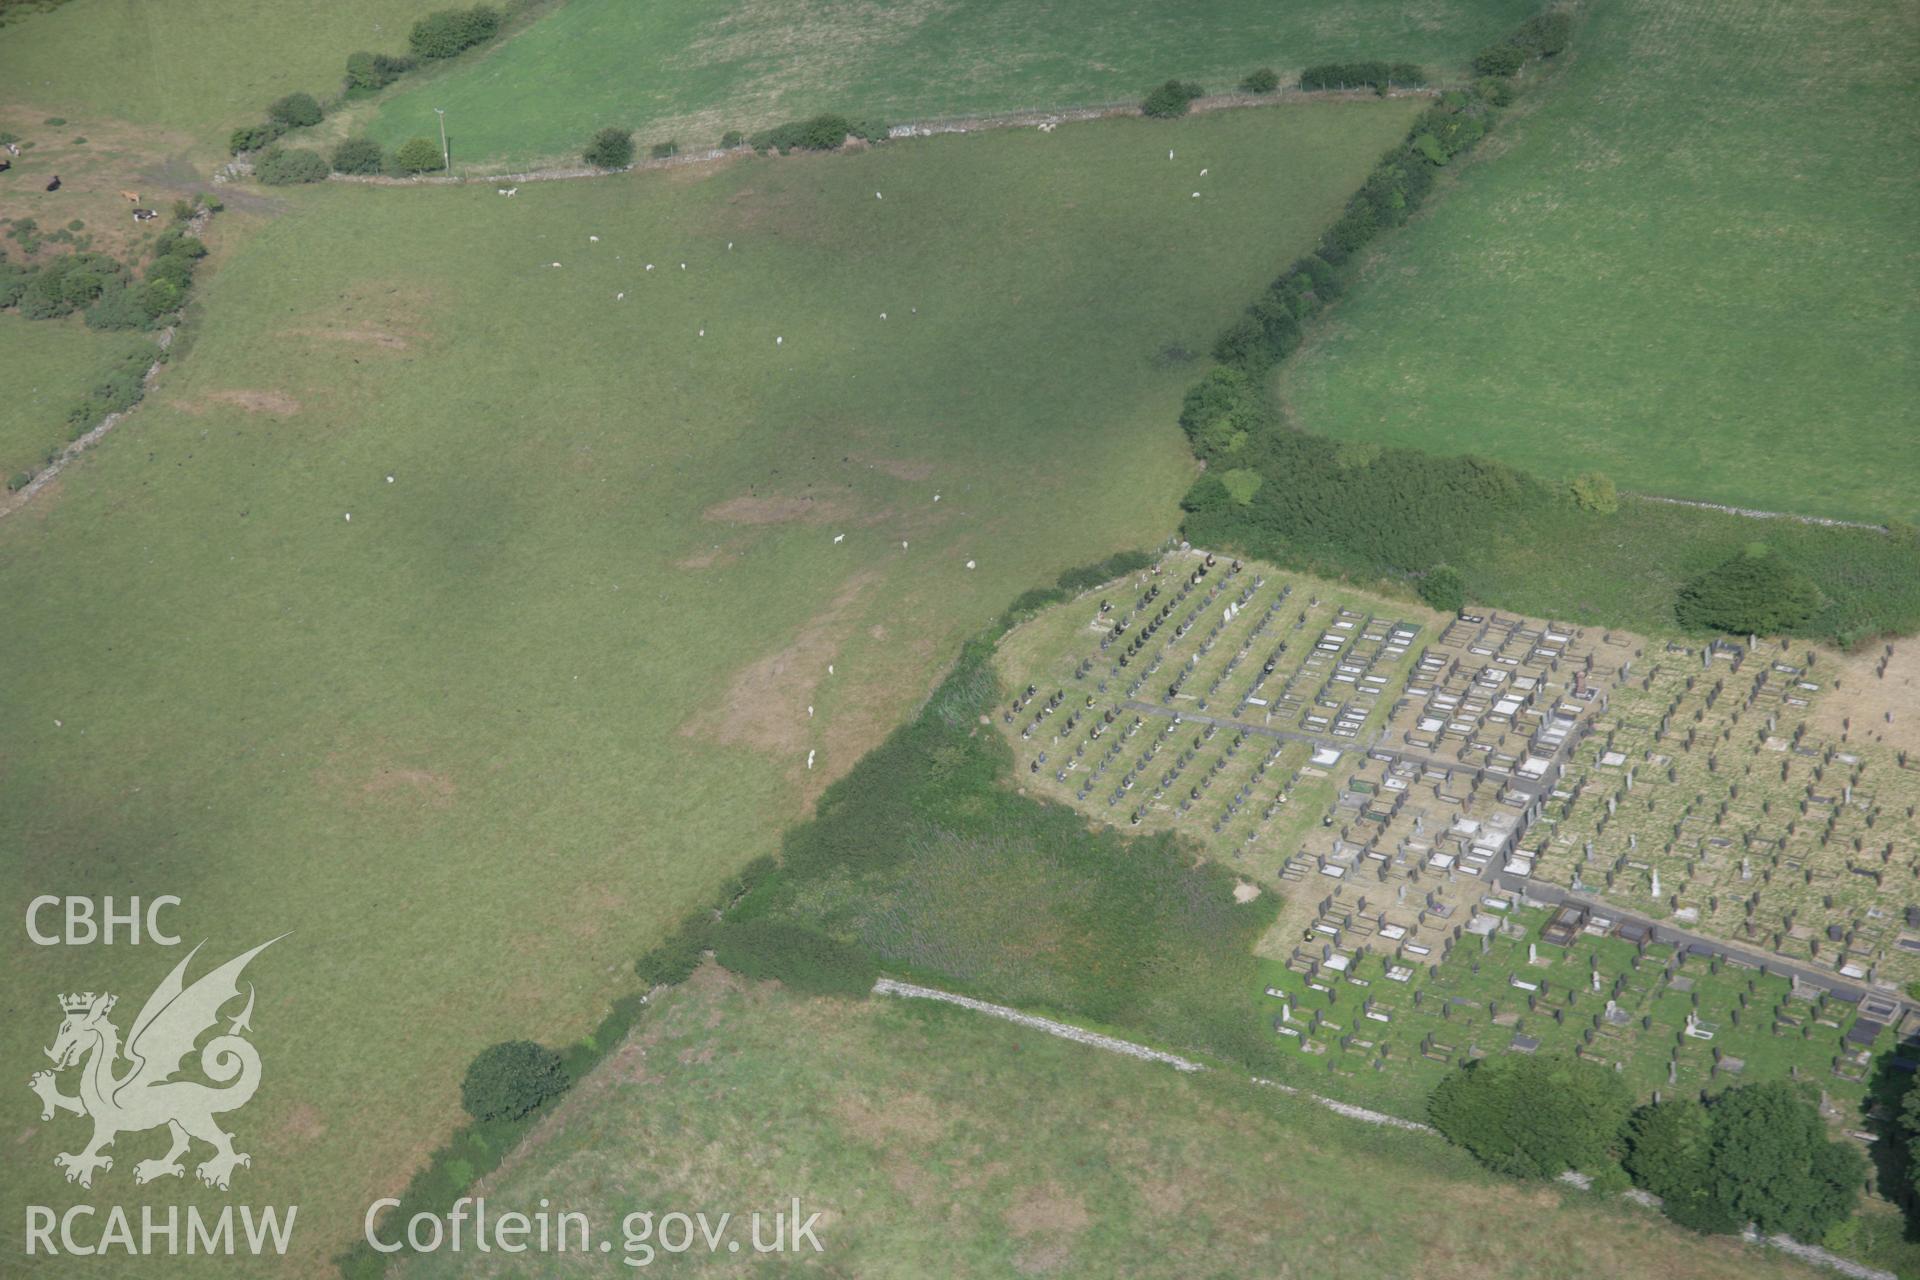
pixel 823 132
pixel 1379 76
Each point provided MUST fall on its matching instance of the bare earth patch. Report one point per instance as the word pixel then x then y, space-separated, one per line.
pixel 900 468
pixel 771 509
pixel 766 706
pixel 1878 699
pixel 1049 1219
pixel 277 403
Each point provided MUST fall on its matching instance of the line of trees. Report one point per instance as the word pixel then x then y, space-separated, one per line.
pixel 1755 1153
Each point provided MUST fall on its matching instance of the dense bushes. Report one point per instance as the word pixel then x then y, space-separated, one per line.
pixel 1072 583
pixel 1265 80
pixel 369 71
pixel 287 166
pixel 295 111
pixel 358 155
pixel 1379 76
pixel 1757 1153
pixel 1170 99
pixel 610 148
pixel 1754 593
pixel 1541 36
pixel 452 31
pixel 1531 1115
pixel 418 155
pixel 252 137
pixel 820 133
pixel 1444 589
pixel 1669 1149
pixel 509 1079
pixel 804 959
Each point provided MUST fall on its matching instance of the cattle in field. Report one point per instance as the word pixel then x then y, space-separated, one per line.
pixel 55 184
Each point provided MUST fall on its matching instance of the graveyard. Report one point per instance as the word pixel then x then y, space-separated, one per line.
pixel 1491 833
pixel 637 617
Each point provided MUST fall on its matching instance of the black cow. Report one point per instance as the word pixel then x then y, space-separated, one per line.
pixel 55 184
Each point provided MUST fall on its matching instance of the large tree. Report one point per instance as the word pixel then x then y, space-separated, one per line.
pixel 1773 1164
pixel 1669 1148
pixel 1532 1116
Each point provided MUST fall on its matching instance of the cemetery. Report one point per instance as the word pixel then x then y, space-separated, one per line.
pixel 1491 833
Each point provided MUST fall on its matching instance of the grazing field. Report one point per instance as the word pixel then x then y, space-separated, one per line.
pixel 197 66
pixel 934 1141
pixel 618 569
pixel 689 70
pixel 1690 266
pixel 56 360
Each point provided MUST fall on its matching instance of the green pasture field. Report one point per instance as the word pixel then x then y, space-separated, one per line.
pixel 199 67
pixel 552 682
pixel 689 70
pixel 1688 264
pixel 936 1141
pixel 56 361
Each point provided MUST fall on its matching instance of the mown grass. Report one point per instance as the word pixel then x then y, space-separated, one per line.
pixel 1687 265
pixel 689 70
pixel 937 1142
pixel 542 693
pixel 57 361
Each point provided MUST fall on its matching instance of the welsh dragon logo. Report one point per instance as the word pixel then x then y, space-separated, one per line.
pixel 146 1095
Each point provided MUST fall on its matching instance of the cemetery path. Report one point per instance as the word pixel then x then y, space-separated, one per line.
pixel 1853 993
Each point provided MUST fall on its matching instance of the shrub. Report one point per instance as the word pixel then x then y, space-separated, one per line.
pixel 731 139
pixel 358 155
pixel 18 481
pixel 1531 1115
pixel 1444 589
pixel 820 133
pixel 283 166
pixel 1545 34
pixel 418 155
pixel 67 284
pixel 1501 59
pixel 296 110
pixel 661 150
pixel 610 149
pixel 1772 1163
pixel 1494 90
pixel 1265 80
pixel 1754 593
pixel 1668 1152
pixel 1594 491
pixel 368 71
pixel 252 137
pixel 1171 99
pixel 674 958
pixel 1378 76
pixel 804 959
pixel 509 1079
pixel 450 31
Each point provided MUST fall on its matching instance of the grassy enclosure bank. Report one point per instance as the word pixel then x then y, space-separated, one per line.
pixel 689 70
pixel 1688 264
pixel 551 682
